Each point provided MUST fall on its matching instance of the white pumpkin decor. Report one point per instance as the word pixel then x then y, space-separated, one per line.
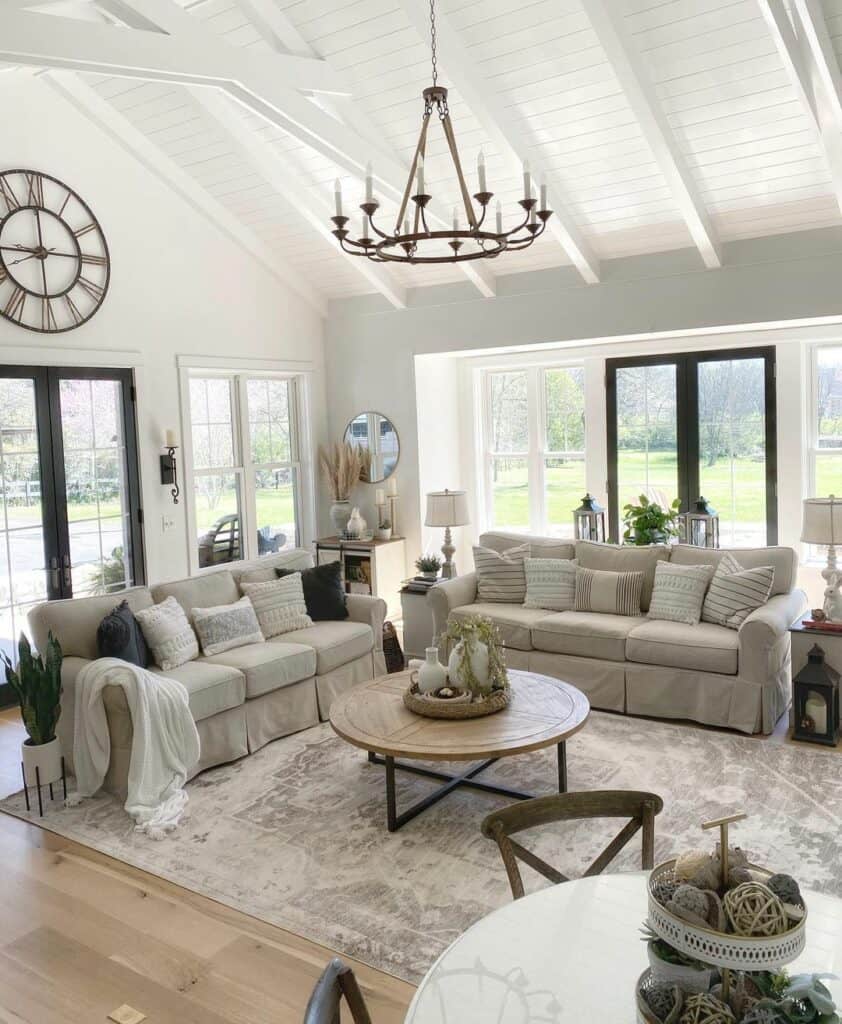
pixel 477 653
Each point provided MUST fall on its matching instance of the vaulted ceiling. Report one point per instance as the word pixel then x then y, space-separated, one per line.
pixel 659 124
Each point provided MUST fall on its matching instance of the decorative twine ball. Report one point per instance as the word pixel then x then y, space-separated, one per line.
pixel 661 999
pixel 763 1015
pixel 691 899
pixel 689 864
pixel 736 876
pixel 753 909
pixel 663 888
pixel 786 889
pixel 703 1008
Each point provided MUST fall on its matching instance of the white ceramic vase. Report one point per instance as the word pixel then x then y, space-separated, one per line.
pixel 339 514
pixel 46 757
pixel 480 666
pixel 356 524
pixel 689 979
pixel 432 675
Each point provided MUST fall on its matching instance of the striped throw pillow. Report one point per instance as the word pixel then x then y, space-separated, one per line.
pixel 679 592
pixel 735 592
pixel 501 577
pixel 279 604
pixel 613 593
pixel 550 583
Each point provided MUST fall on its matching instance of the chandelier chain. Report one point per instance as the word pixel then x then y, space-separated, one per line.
pixel 433 40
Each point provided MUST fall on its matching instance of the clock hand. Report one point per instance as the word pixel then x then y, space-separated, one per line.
pixel 23 259
pixel 41 244
pixel 19 248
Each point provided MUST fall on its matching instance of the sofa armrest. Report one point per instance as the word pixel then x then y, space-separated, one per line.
pixel 764 641
pixel 449 594
pixel 372 611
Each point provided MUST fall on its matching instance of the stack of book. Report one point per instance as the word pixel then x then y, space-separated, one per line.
pixel 420 584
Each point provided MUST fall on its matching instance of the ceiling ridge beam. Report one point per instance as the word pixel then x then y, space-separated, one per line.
pixel 276 169
pixel 608 22
pixel 809 65
pixel 88 102
pixel 512 143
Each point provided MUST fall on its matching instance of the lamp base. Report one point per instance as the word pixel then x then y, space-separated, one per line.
pixel 832 606
pixel 448 569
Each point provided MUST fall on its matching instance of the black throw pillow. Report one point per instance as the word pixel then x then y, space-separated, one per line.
pixel 324 593
pixel 119 636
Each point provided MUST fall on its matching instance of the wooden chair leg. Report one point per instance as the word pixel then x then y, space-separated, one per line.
pixel 354 997
pixel 648 822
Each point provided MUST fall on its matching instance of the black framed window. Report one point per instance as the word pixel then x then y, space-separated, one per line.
pixel 691 424
pixel 70 515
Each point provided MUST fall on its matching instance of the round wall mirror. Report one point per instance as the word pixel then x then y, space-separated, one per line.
pixel 376 434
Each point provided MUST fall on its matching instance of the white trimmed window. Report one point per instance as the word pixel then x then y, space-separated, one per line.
pixel 533 448
pixel 246 466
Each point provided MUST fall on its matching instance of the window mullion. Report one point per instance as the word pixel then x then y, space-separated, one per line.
pixel 248 511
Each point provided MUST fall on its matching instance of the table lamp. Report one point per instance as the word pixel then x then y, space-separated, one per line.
pixel 822 524
pixel 447 508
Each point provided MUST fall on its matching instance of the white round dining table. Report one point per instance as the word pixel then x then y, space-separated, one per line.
pixel 571 954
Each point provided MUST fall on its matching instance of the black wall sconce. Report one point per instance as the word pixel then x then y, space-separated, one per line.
pixel 169 466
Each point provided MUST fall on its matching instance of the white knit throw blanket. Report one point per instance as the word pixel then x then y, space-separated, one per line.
pixel 164 748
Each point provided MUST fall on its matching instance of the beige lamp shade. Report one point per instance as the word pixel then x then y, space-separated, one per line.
pixel 447 508
pixel 822 522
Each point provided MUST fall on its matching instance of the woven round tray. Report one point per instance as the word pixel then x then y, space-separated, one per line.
pixel 460 707
pixel 738 952
pixel 644 1014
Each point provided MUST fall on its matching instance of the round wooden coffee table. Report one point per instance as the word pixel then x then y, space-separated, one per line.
pixel 542 712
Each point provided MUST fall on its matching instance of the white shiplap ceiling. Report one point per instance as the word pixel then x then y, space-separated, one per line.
pixel 661 124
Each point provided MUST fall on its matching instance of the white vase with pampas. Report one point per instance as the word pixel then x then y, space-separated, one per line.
pixel 342 465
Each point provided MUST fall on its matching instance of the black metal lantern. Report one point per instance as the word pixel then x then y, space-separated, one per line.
pixel 589 520
pixel 816 699
pixel 700 526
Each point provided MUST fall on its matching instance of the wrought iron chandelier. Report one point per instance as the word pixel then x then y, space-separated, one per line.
pixel 412 241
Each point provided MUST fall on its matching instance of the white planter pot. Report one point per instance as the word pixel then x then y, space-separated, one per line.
pixel 478 655
pixel 688 979
pixel 46 757
pixel 384 534
pixel 340 513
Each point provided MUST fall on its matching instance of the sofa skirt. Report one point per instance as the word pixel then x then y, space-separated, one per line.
pixel 333 684
pixel 280 712
pixel 602 682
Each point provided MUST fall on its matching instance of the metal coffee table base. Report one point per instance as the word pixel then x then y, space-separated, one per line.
pixel 451 782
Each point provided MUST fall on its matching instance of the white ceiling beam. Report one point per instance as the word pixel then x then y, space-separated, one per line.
pixel 279 171
pixel 511 142
pixel 807 65
pixel 190 57
pixel 608 22
pixel 275 26
pixel 88 101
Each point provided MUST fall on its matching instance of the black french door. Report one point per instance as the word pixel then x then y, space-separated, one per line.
pixel 692 424
pixel 70 516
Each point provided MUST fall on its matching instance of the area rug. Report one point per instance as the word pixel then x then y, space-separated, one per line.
pixel 296 835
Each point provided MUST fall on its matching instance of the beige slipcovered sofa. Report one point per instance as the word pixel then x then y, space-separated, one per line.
pixel 240 699
pixel 707 673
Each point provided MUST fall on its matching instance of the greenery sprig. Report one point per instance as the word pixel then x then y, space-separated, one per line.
pixel 649 522
pixel 469 632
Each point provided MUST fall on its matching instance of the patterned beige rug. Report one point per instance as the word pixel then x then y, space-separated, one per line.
pixel 296 834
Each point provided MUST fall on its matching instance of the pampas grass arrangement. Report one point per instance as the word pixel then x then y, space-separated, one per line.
pixel 342 465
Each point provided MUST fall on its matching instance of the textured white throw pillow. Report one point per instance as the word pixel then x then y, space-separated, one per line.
pixel 550 583
pixel 279 604
pixel 500 577
pixel 679 592
pixel 227 626
pixel 168 634
pixel 735 592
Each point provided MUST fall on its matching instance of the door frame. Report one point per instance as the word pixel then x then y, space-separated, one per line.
pixel 687 425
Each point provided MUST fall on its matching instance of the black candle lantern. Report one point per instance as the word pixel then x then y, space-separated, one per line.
pixel 589 520
pixel 816 699
pixel 700 526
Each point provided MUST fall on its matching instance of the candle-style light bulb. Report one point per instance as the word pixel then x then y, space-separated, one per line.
pixel 369 183
pixel 499 217
pixel 455 218
pixel 481 171
pixel 543 204
pixel 363 227
pixel 337 196
pixel 533 216
pixel 420 177
pixel 406 225
pixel 527 181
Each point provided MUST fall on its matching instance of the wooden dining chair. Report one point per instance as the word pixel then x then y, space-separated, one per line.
pixel 640 808
pixel 337 981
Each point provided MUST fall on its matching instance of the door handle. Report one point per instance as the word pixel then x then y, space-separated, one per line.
pixel 65 564
pixel 53 571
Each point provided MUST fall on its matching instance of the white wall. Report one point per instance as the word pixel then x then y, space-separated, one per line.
pixel 179 286
pixel 771 291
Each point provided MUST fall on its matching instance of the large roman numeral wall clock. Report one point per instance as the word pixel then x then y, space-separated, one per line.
pixel 54 262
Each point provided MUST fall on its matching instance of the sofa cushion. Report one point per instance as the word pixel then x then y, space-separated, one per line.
pixel 211 688
pixel 263 568
pixel 544 547
pixel 736 592
pixel 514 621
pixel 73 622
pixel 269 667
pixel 335 643
pixel 783 560
pixel 679 592
pixel 119 636
pixel 624 558
pixel 279 604
pixel 226 627
pixel 587 634
pixel 205 591
pixel 703 647
pixel 324 591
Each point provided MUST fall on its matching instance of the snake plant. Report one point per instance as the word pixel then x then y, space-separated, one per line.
pixel 37 686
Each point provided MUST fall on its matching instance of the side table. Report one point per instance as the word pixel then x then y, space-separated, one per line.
pixel 417 623
pixel 803 638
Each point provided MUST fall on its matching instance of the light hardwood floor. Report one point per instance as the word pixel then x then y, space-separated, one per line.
pixel 81 934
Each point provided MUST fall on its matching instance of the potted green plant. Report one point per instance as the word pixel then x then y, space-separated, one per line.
pixel 37 686
pixel 428 565
pixel 650 523
pixel 671 967
pixel 384 530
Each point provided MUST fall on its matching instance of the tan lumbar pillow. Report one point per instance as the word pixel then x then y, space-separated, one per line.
pixel 613 593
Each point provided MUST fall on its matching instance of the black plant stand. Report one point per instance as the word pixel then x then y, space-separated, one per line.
pixel 63 781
